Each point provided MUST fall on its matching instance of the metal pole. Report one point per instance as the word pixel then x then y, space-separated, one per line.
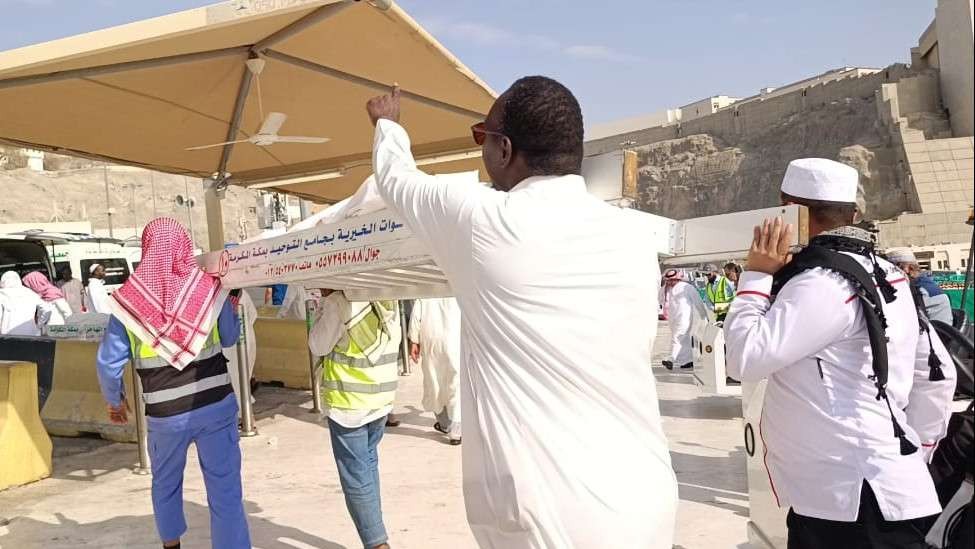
pixel 141 426
pixel 404 346
pixel 152 188
pixel 189 210
pixel 968 276
pixel 243 379
pixel 316 379
pixel 108 201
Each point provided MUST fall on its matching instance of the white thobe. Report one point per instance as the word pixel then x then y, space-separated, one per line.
pixel 435 326
pixel 563 445
pixel 96 298
pixel 823 427
pixel 684 308
pixel 22 313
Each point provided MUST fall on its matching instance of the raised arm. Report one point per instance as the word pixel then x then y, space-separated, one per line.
pixel 437 212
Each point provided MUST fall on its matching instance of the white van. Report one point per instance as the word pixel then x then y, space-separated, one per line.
pixel 81 251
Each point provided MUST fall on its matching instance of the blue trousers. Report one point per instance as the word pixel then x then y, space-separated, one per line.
pixel 217 445
pixel 358 466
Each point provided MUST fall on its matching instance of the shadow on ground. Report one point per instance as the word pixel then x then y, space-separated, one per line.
pixel 702 407
pixel 138 531
pixel 713 480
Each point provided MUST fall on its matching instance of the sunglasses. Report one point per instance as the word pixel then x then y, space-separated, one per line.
pixel 480 132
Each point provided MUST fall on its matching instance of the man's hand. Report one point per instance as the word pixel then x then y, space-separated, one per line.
pixel 384 106
pixel 414 352
pixel 770 247
pixel 119 414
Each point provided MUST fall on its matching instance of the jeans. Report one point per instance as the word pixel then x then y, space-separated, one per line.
pixel 217 446
pixel 358 466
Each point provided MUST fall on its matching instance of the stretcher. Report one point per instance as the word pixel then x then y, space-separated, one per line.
pixel 376 256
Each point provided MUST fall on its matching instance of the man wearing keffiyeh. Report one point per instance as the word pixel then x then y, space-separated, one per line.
pixel 172 319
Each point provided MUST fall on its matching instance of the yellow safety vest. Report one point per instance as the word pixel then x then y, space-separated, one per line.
pixel 143 356
pixel 361 373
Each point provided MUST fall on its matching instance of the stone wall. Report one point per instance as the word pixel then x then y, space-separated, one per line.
pixel 734 159
pixel 886 124
pixel 135 195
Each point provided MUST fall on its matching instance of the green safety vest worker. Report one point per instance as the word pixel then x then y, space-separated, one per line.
pixel 717 293
pixel 360 373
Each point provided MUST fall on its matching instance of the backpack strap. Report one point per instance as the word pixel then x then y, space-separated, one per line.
pixel 867 293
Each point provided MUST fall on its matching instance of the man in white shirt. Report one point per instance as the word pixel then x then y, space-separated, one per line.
pixel 563 446
pixel 851 392
pixel 96 298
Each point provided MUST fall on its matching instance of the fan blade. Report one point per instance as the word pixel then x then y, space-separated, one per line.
pixel 299 139
pixel 272 123
pixel 214 145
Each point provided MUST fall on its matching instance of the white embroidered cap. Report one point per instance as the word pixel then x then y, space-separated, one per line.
pixel 821 179
pixel 900 255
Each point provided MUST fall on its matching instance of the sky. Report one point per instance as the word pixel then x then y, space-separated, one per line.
pixel 621 58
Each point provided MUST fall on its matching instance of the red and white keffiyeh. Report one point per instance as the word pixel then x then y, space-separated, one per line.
pixel 169 303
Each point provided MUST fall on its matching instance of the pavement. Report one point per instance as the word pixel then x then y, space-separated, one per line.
pixel 294 501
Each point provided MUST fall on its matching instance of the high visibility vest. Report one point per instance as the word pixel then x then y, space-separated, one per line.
pixel 167 391
pixel 718 293
pixel 361 371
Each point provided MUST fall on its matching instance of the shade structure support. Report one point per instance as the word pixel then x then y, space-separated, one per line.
pixel 103 70
pixel 366 82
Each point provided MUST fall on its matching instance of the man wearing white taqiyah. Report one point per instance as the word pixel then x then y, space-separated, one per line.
pixel 853 390
pixel 563 445
pixel 96 296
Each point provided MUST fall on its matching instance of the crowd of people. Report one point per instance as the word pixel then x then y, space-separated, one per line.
pixel 30 303
pixel 556 290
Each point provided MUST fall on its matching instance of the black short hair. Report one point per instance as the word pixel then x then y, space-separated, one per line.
pixel 732 266
pixel 543 120
pixel 827 213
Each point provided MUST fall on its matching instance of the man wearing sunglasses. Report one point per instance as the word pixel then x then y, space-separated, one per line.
pixel 563 446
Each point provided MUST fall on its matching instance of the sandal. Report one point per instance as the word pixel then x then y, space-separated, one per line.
pixel 439 428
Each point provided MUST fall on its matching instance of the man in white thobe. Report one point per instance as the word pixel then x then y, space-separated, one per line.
pixel 563 444
pixel 434 334
pixel 96 297
pixel 845 452
pixel 685 309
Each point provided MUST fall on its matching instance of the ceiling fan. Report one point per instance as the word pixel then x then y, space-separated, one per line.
pixel 268 135
pixel 268 132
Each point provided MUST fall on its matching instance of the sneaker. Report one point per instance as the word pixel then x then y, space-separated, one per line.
pixel 688 365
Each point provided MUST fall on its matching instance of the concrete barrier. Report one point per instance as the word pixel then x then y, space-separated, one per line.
pixel 25 448
pixel 75 406
pixel 282 352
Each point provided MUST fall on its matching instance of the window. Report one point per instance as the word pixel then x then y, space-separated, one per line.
pixel 116 270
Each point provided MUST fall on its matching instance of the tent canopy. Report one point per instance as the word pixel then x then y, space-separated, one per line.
pixel 141 93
